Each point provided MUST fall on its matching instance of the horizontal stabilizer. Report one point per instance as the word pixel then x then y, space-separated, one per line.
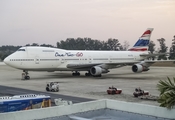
pixel 152 55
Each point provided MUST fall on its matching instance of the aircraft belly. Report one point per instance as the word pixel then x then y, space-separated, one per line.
pixel 40 66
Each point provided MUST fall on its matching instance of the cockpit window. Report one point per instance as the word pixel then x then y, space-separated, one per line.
pixel 21 50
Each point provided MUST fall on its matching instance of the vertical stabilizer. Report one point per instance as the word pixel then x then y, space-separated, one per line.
pixel 143 42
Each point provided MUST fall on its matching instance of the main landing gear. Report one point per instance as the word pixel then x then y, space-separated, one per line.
pixel 88 74
pixel 76 73
pixel 25 75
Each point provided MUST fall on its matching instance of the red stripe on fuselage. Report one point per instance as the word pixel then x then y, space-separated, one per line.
pixel 138 49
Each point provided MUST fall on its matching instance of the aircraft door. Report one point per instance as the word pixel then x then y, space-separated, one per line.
pixel 36 60
pixel 110 61
pixel 136 57
pixel 90 59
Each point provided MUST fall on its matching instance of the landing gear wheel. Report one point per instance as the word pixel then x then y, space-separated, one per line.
pixel 113 92
pixel 76 74
pixel 27 77
pixel 88 74
pixel 57 90
pixel 47 88
pixel 73 74
pixel 52 90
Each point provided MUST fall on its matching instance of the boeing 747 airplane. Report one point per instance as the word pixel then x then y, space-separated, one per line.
pixel 30 58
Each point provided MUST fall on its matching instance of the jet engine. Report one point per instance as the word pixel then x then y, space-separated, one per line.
pixel 96 70
pixel 137 68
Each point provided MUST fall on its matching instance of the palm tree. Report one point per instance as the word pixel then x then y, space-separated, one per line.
pixel 167 93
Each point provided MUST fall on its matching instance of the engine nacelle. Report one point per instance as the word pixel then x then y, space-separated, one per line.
pixel 96 70
pixel 139 68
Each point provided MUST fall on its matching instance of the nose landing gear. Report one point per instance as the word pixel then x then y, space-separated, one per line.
pixel 25 75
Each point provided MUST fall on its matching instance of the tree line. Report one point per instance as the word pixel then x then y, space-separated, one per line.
pixel 91 44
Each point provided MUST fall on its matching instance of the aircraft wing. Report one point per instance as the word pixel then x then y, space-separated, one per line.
pixel 109 65
pixel 114 65
pixel 82 66
pixel 154 61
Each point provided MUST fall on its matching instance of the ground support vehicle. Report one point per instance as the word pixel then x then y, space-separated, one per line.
pixel 112 90
pixel 138 92
pixel 52 86
pixel 142 94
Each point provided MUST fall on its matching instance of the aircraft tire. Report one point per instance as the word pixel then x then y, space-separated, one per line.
pixel 73 74
pixel 47 89
pixel 87 74
pixel 52 90
pixel 27 77
pixel 113 92
pixel 76 74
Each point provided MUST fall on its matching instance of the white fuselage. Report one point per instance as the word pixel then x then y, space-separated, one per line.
pixel 53 59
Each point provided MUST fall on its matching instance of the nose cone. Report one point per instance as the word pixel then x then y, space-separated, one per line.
pixel 7 60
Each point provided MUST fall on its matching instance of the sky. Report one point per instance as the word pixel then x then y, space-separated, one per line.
pixel 49 21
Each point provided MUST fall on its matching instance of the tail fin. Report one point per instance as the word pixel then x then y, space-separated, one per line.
pixel 143 42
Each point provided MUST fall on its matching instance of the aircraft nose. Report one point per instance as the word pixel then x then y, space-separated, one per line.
pixel 6 60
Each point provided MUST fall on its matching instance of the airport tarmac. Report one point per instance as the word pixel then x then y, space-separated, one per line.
pixel 90 87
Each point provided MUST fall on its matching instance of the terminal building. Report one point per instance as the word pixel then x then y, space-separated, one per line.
pixel 94 110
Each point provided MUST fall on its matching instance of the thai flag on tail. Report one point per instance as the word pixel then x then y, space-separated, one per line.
pixel 143 42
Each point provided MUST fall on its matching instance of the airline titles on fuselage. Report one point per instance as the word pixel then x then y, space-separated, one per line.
pixel 69 54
